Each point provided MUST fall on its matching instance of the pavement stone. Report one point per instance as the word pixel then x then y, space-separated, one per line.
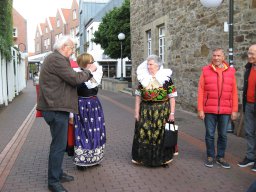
pixel 116 173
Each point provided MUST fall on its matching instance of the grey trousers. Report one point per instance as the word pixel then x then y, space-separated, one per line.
pixel 250 130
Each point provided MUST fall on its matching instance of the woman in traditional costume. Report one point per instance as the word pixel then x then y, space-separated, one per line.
pixel 89 123
pixel 154 106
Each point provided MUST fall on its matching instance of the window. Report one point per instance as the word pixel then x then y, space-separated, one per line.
pixel 109 69
pixel 149 42
pixel 128 69
pixel 37 47
pixel 74 14
pixel 56 37
pixel 87 39
pixel 15 32
pixel 46 30
pixel 45 44
pixel 161 43
pixel 77 30
pixel 91 37
pixel 58 23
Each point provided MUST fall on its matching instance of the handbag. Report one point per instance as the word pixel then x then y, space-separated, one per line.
pixel 38 112
pixel 170 134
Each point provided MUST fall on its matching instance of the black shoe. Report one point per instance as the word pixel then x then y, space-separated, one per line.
pixel 254 167
pixel 209 162
pixel 57 187
pixel 223 163
pixel 246 162
pixel 66 178
pixel 81 168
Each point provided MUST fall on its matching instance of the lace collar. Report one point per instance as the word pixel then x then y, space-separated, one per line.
pixel 144 77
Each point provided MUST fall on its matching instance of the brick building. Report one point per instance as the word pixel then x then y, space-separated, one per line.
pixel 65 22
pixel 19 31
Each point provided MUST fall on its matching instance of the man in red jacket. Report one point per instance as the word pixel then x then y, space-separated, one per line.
pixel 217 103
pixel 249 108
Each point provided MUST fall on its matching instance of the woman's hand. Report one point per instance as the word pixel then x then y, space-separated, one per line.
pixel 137 116
pixel 91 67
pixel 171 117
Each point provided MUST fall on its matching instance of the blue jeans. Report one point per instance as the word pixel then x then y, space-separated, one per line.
pixel 212 121
pixel 58 122
pixel 250 130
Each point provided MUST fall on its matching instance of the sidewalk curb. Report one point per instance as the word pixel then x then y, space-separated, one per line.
pixel 12 149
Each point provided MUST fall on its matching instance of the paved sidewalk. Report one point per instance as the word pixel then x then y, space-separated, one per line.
pixel 116 173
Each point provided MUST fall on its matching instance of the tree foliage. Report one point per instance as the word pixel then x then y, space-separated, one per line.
pixel 6 27
pixel 115 22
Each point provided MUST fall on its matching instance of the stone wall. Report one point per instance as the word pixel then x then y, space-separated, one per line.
pixel 191 33
pixel 113 85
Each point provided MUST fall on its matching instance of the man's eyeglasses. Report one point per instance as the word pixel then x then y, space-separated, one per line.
pixel 71 47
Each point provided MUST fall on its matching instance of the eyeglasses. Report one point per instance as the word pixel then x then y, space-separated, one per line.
pixel 71 47
pixel 91 62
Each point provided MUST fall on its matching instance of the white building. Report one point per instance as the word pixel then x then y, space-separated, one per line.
pixel 91 13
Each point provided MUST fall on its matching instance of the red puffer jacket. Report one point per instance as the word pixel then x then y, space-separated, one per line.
pixel 218 100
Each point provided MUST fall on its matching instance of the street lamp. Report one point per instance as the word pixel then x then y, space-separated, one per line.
pixel 216 3
pixel 121 37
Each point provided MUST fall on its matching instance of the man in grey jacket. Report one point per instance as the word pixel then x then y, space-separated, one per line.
pixel 57 98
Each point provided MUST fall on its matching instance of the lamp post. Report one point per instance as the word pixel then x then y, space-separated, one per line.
pixel 216 3
pixel 121 37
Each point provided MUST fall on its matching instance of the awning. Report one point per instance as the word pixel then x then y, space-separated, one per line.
pixel 38 58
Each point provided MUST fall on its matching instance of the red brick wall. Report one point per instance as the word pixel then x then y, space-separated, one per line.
pixel 21 24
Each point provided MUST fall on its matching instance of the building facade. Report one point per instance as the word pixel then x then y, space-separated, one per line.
pixel 19 31
pixel 65 22
pixel 184 33
pixel 91 14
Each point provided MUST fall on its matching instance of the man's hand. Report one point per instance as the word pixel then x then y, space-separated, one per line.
pixel 234 116
pixel 201 115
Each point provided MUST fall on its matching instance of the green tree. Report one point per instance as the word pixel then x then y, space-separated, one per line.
pixel 115 22
pixel 6 27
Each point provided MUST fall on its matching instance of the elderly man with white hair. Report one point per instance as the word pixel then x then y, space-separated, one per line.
pixel 57 98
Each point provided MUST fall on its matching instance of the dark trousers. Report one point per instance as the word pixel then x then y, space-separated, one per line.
pixel 58 122
pixel 252 187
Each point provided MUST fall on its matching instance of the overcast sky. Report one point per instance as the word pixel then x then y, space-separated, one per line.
pixel 36 11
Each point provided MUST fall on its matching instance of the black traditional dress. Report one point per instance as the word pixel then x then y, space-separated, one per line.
pixel 154 111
